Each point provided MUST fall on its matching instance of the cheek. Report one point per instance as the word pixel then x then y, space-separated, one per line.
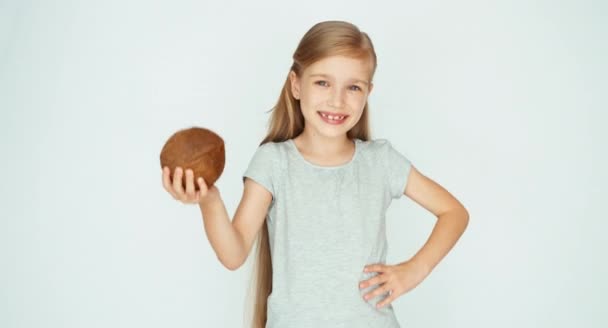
pixel 306 106
pixel 357 100
pixel 313 93
pixel 312 99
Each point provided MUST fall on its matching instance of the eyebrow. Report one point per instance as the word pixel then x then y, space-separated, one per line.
pixel 327 76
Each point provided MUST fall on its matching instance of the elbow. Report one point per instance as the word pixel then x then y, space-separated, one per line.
pixel 459 214
pixel 465 216
pixel 230 265
pixel 235 258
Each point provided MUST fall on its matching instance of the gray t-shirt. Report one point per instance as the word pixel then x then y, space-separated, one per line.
pixel 325 224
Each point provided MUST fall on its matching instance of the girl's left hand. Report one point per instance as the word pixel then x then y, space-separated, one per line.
pixel 399 279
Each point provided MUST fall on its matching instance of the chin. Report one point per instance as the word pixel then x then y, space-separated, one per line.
pixel 332 133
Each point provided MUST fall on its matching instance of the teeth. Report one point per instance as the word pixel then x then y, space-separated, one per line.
pixel 331 117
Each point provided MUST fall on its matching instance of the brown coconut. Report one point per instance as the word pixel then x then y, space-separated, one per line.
pixel 198 149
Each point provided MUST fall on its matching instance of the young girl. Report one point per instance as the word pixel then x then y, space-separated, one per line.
pixel 316 192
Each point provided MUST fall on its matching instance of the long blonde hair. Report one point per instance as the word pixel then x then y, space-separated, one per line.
pixel 324 39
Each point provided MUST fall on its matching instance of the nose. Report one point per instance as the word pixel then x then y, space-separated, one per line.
pixel 336 98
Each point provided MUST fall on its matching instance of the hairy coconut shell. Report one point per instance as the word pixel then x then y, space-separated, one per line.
pixel 198 149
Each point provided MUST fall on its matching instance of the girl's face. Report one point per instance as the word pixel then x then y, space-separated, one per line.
pixel 335 86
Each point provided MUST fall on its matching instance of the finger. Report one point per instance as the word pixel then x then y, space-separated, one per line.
pixel 383 289
pixel 189 183
pixel 388 300
pixel 378 267
pixel 167 181
pixel 202 185
pixel 376 280
pixel 177 183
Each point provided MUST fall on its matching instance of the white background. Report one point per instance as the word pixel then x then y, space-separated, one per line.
pixel 501 102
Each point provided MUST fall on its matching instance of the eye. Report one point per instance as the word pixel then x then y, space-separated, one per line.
pixel 317 82
pixel 357 88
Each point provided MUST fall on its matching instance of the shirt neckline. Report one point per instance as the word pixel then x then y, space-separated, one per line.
pixel 334 167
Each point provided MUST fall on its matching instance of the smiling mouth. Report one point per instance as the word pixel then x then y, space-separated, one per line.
pixel 333 117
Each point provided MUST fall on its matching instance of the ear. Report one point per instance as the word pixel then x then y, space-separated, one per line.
pixel 371 86
pixel 295 84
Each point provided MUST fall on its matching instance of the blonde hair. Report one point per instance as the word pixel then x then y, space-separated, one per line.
pixel 324 39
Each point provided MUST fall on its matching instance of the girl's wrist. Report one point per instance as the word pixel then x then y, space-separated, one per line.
pixel 212 195
pixel 422 266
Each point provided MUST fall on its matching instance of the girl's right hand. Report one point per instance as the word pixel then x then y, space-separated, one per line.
pixel 188 196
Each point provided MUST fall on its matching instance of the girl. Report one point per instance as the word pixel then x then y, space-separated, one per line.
pixel 316 192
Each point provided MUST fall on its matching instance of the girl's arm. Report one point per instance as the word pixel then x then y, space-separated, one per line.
pixel 232 241
pixel 452 217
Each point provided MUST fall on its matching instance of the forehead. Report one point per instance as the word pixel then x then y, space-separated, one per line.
pixel 341 68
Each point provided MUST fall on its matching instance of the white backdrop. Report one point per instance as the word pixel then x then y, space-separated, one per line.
pixel 500 102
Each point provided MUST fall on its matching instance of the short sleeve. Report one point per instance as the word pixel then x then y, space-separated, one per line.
pixel 398 169
pixel 260 168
